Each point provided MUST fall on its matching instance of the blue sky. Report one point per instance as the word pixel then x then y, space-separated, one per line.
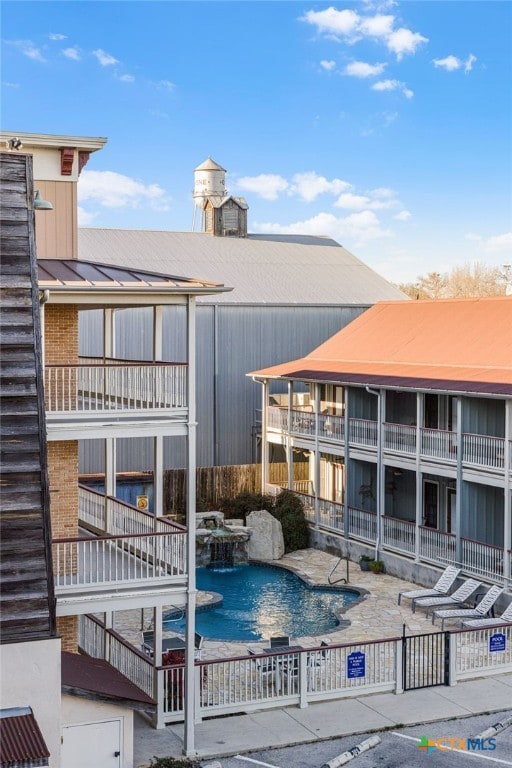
pixel 386 125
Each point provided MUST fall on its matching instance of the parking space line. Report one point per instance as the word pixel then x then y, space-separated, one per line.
pixel 257 762
pixel 460 751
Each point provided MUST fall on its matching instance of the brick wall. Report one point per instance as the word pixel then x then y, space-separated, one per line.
pixel 63 474
pixel 61 334
pixel 67 627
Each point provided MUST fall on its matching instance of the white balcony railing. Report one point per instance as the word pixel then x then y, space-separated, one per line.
pixel 362 524
pixel 277 418
pixel 482 559
pixel 363 432
pixel 398 534
pixel 331 427
pixel 484 451
pixel 438 444
pixel 400 438
pixel 436 546
pixel 90 389
pixel 115 561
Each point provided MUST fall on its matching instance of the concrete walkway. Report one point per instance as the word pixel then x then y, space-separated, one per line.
pixel 223 736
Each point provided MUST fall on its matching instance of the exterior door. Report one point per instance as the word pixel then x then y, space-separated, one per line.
pixel 337 483
pixel 430 503
pixel 92 744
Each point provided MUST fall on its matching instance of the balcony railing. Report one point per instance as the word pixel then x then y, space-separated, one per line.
pixel 114 561
pixel 98 388
pixel 477 450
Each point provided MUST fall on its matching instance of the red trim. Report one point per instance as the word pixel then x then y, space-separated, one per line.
pixel 67 155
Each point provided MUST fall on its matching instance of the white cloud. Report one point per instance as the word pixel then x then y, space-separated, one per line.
pixel 333 22
pixel 362 69
pixel 393 85
pixel 493 244
pixel 127 78
pixel 71 53
pixel 404 41
pixel 328 65
pixel 468 64
pixel 28 49
pixel 402 216
pixel 10 85
pixel 351 27
pixel 361 202
pixel 114 190
pixel 309 185
pixel 358 227
pixel 382 192
pixel 266 185
pixel 164 85
pixel 500 242
pixel 452 63
pixel 57 36
pixel 377 26
pixel 85 217
pixel 105 59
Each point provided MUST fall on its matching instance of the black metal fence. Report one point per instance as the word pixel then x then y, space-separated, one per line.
pixel 425 660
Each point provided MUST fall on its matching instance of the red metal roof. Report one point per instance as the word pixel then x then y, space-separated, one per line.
pixel 98 676
pixel 456 345
pixel 21 741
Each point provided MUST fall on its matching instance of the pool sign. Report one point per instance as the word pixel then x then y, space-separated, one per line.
pixel 497 642
pixel 356 663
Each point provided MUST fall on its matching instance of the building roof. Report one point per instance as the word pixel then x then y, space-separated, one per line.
pixel 96 676
pixel 217 201
pixel 209 165
pixel 445 345
pixel 55 141
pixel 263 269
pixel 21 742
pixel 94 282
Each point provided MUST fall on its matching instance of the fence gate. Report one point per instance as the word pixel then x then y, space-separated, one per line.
pixel 425 660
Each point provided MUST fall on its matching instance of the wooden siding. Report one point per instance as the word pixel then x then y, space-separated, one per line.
pixel 26 582
pixel 57 230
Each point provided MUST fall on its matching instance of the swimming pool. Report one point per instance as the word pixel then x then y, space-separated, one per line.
pixel 260 601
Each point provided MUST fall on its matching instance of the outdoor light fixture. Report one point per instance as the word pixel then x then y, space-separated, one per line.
pixel 40 204
pixel 14 143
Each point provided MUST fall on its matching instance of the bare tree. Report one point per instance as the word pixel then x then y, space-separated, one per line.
pixel 475 279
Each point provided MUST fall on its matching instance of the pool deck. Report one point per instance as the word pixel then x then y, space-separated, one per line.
pixel 377 616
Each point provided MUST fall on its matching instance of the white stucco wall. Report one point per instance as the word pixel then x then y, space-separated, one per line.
pixel 30 677
pixel 77 710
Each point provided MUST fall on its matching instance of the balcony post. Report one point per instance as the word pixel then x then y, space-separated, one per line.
pixel 420 412
pixel 289 453
pixel 507 494
pixel 190 691
pixel 346 517
pixel 316 454
pixel 458 496
pixel 109 334
pixel 110 480
pixel 158 479
pixel 264 442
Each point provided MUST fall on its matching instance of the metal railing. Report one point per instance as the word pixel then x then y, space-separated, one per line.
pixel 399 438
pixel 398 534
pixel 362 524
pixel 484 451
pixel 363 432
pixel 89 389
pixel 114 561
pixel 438 443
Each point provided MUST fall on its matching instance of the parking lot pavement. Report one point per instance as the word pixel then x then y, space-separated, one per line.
pixel 399 747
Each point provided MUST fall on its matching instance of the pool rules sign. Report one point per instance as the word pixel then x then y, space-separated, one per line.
pixel 356 665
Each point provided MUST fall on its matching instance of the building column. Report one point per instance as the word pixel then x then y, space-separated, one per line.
pixel 316 454
pixel 346 430
pixel 420 413
pixel 158 478
pixel 110 478
pixel 507 494
pixel 109 332
pixel 190 690
pixel 289 453
pixel 458 496
pixel 264 442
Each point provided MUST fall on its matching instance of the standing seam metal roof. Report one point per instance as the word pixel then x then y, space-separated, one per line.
pixel 275 269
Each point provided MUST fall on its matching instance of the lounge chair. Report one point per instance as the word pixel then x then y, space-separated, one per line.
pixel 481 608
pixel 441 587
pixel 456 599
pixel 505 618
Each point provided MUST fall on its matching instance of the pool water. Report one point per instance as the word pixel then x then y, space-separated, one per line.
pixel 261 601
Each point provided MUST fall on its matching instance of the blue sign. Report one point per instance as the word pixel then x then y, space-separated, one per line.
pixel 497 642
pixel 356 664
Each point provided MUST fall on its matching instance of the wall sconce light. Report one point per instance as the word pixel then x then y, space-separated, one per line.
pixel 40 204
pixel 14 143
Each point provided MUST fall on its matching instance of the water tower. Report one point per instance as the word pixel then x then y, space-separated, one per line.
pixel 209 181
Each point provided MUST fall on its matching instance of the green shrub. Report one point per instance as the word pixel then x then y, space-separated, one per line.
pixel 241 505
pixel 174 762
pixel 289 510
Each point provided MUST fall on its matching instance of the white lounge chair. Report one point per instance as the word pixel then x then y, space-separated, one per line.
pixel 481 608
pixel 505 618
pixel 441 587
pixel 456 599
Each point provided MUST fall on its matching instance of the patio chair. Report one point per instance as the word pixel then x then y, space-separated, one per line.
pixel 279 642
pixel 456 599
pixel 441 587
pixel 265 665
pixel 480 609
pixel 198 644
pixel 505 618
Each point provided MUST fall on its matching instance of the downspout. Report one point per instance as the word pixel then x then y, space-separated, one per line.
pixel 43 298
pixel 377 393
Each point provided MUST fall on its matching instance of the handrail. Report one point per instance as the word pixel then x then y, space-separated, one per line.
pixel 152 534
pixel 338 581
pixel 143 512
pixel 112 362
pixel 119 638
